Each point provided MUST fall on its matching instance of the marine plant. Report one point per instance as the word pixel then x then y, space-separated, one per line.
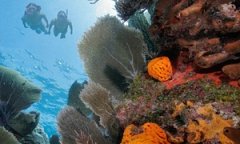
pixel 98 99
pixel 78 129
pixel 112 54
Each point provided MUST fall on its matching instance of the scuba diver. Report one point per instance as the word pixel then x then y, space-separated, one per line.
pixel 33 18
pixel 60 24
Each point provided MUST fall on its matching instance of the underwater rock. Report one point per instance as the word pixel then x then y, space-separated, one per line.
pixel 38 136
pixel 75 101
pixel 24 123
pixel 7 137
pixel 54 139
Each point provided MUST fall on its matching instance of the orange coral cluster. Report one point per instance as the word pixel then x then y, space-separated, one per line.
pixel 160 68
pixel 207 127
pixel 149 133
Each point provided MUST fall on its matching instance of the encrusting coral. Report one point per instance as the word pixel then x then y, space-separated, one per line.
pixel 149 133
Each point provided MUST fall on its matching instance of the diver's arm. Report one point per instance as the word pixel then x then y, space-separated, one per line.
pixel 45 19
pixel 71 28
pixel 24 22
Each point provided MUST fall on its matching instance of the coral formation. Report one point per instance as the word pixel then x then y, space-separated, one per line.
pixel 160 68
pixel 112 54
pixel 149 133
pixel 77 129
pixel 204 30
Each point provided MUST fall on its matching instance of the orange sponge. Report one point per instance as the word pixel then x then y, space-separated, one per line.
pixel 160 68
pixel 149 133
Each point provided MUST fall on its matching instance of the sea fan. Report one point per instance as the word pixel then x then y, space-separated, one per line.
pixel 112 54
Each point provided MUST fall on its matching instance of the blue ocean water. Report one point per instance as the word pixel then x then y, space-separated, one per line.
pixel 50 62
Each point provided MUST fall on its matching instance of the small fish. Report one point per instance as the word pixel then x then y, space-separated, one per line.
pixel 233 134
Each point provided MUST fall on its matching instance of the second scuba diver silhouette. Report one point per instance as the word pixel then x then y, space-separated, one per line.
pixel 60 24
pixel 33 18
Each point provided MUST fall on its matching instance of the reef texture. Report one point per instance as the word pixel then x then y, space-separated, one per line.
pixel 187 112
pixel 206 33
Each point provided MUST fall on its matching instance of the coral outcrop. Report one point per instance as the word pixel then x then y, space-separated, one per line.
pixel 204 31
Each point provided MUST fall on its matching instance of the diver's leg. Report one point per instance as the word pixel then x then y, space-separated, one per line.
pixel 63 33
pixel 56 32
pixel 38 31
pixel 42 28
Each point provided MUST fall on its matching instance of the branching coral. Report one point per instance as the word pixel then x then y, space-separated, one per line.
pixel 112 54
pixel 77 129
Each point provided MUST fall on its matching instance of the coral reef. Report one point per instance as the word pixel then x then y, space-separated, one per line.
pixel 204 31
pixel 112 54
pixel 77 129
pixel 149 103
pixel 149 133
pixel 98 99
